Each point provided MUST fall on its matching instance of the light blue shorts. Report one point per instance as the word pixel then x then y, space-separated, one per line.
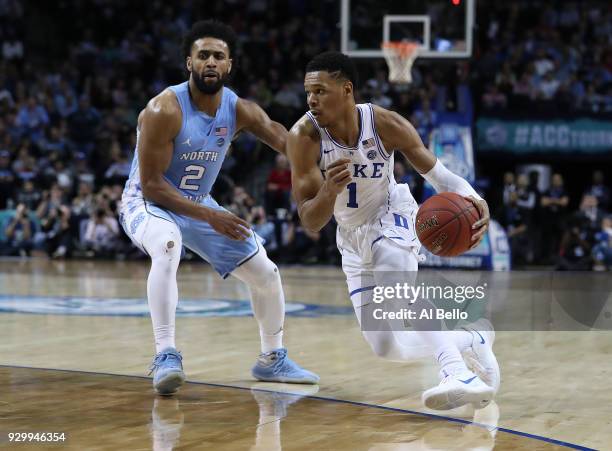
pixel 223 253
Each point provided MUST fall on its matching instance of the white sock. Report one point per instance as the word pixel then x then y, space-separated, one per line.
pixel 445 350
pixel 461 338
pixel 164 247
pixel 267 298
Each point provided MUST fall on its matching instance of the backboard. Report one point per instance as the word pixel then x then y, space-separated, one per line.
pixel 444 28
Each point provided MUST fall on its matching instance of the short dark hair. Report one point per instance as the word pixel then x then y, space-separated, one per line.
pixel 336 63
pixel 209 29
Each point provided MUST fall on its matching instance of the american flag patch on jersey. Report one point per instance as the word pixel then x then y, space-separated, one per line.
pixel 220 131
pixel 368 142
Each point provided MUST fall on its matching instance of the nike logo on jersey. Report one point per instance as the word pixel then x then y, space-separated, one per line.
pixel 328 151
pixel 482 340
pixel 469 380
pixel 187 141
pixel 481 337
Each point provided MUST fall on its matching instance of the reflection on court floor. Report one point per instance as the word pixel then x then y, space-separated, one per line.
pixel 117 412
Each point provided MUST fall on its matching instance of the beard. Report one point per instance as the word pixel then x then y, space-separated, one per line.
pixel 206 87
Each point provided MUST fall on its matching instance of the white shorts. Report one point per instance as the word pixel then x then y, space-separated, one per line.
pixel 386 244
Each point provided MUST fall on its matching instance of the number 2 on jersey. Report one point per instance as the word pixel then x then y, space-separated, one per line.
pixel 197 172
pixel 352 189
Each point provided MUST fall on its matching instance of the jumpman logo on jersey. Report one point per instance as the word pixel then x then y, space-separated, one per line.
pixel 187 141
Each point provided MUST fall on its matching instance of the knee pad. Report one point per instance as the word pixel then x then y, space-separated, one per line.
pixel 267 274
pixel 163 241
pixel 259 272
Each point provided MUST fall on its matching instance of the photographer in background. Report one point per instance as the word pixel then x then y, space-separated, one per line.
pixel 55 237
pixel 102 233
pixel 575 253
pixel 602 251
pixel 19 233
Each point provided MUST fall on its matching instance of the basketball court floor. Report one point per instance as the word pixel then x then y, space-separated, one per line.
pixel 76 343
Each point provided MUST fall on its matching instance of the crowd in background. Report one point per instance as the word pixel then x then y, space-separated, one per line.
pixel 69 105
pixel 547 56
pixel 542 229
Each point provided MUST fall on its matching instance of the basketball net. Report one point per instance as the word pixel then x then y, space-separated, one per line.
pixel 400 56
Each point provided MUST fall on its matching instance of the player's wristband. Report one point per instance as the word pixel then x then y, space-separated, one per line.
pixel 444 180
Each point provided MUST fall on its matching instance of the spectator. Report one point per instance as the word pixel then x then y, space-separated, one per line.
pixel 381 99
pixel 575 250
pixel 242 203
pixel 554 209
pixel 509 188
pixel 28 195
pixel 517 230
pixel 600 190
pixel 19 233
pixel 278 188
pixel 265 229
pixel 83 125
pixel 602 251
pixel 82 169
pixel 7 180
pixel 526 197
pixel 547 89
pixel 55 237
pixel 543 64
pixel 82 204
pixel 494 99
pixel 589 217
pixel 426 119
pixel 24 165
pixel 404 176
pixel 102 234
pixel 119 170
pixel 32 119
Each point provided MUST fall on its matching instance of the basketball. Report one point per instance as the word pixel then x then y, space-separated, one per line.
pixel 444 224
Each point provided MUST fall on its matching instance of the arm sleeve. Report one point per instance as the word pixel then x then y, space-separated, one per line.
pixel 444 180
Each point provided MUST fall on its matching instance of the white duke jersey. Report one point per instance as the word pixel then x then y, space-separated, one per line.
pixel 372 190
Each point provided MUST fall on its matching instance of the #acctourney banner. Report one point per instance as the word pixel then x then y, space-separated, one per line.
pixel 560 135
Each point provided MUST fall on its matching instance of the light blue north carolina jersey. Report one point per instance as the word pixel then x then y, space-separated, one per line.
pixel 199 148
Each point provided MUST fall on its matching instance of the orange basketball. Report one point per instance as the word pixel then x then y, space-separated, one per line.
pixel 444 224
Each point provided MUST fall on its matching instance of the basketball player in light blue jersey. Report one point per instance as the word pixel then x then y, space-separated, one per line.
pixel 182 138
pixel 341 157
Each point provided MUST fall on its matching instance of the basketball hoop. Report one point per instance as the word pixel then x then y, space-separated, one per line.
pixel 399 57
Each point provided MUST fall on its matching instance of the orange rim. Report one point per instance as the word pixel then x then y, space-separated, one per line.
pixel 401 48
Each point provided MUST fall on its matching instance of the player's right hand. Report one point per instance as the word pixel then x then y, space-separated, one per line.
pixel 337 175
pixel 229 225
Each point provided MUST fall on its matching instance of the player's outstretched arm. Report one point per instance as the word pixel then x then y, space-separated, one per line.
pixel 159 123
pixel 399 134
pixel 315 195
pixel 252 118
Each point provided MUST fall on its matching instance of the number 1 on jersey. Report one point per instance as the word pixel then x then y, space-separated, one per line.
pixel 352 188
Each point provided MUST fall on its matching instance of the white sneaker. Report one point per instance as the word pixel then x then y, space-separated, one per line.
pixel 459 389
pixel 479 357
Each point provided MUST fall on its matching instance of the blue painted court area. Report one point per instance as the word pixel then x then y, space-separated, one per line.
pixel 92 306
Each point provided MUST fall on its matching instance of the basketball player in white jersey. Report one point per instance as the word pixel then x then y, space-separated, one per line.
pixel 342 165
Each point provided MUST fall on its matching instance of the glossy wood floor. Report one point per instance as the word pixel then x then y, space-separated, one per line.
pixel 555 385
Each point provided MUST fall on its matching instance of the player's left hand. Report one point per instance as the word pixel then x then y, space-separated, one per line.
pixel 480 227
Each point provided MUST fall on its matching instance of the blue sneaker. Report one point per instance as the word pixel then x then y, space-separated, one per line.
pixel 275 366
pixel 167 369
